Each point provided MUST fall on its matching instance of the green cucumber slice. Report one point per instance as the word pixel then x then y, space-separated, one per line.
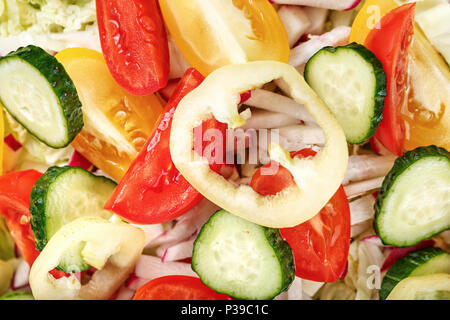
pixel 352 83
pixel 414 201
pixel 37 92
pixel 426 287
pixel 64 194
pixel 17 295
pixel 242 259
pixel 418 263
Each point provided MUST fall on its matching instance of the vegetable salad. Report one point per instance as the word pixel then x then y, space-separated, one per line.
pixel 225 149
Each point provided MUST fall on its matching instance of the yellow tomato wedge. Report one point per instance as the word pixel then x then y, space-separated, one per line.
pixel 368 17
pixel 427 114
pixel 117 124
pixel 215 33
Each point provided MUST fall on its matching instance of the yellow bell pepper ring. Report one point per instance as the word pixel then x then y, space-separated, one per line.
pixel 6 274
pixel 317 179
pixel 111 247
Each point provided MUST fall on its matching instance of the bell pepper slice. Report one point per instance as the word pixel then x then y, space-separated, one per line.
pixel 317 179
pixel 113 247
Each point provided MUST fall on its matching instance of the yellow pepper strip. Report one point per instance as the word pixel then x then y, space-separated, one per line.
pixel 6 274
pixel 317 179
pixel 370 14
pixel 2 137
pixel 112 247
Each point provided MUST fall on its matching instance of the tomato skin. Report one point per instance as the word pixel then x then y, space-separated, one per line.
pixel 134 43
pixel 321 244
pixel 177 288
pixel 390 44
pixel 153 190
pixel 15 189
pixel 272 184
pixel 216 161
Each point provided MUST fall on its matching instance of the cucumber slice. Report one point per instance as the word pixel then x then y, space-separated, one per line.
pixel 422 262
pixel 64 194
pixel 242 259
pixel 414 201
pixel 17 295
pixel 36 90
pixel 352 83
pixel 427 287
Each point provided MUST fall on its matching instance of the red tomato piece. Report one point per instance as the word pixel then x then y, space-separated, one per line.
pixel 15 189
pixel 210 145
pixel 177 288
pixel 320 245
pixel 390 44
pixel 153 190
pixel 134 44
pixel 169 89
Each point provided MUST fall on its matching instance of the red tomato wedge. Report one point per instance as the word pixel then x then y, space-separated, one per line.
pixel 390 44
pixel 320 245
pixel 15 189
pixel 134 44
pixel 177 288
pixel 153 190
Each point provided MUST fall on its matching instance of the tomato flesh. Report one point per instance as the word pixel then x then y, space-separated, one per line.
pixel 15 189
pixel 214 33
pixel 177 288
pixel 390 43
pixel 153 190
pixel 117 123
pixel 320 245
pixel 134 43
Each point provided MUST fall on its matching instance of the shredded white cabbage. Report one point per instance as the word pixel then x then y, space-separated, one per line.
pixel 45 16
pixel 34 154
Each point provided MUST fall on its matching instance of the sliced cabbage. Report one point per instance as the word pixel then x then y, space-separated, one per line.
pixel 34 154
pixel 337 291
pixel 45 16
pixel 364 265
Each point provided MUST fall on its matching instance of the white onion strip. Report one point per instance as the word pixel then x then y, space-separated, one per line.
pixel 301 53
pixel 363 167
pixel 150 267
pixel 362 209
pixel 295 21
pixel 359 188
pixel 270 101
